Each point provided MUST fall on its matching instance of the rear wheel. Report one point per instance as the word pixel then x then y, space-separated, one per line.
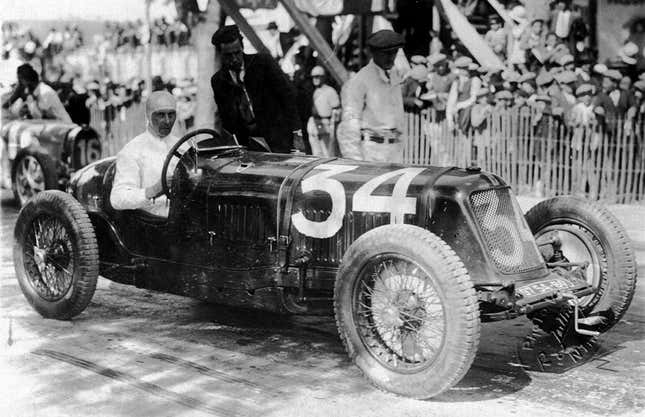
pixel 55 255
pixel 407 311
pixel 32 172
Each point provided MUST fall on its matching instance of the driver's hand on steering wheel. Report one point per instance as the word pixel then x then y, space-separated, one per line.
pixel 155 190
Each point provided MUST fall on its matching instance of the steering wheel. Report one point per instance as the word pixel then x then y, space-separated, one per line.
pixel 175 153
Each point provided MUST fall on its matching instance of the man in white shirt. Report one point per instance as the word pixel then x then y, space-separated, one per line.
pixel 372 115
pixel 137 181
pixel 320 126
pixel 35 99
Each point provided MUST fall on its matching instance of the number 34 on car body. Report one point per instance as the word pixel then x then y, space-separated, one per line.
pixel 398 204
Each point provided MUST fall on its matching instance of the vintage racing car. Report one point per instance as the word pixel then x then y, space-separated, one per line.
pixel 42 154
pixel 410 259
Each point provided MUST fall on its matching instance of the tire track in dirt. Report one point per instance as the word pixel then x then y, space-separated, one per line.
pixel 150 388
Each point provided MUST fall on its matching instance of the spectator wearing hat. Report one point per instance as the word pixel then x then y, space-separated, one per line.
pixel 438 86
pixel 462 95
pixel 372 114
pixel 321 124
pixel 567 81
pixel 532 40
pixel 436 46
pixel 518 25
pixel 639 99
pixel 560 20
pixel 272 41
pixel 414 87
pixel 565 63
pixel 481 109
pixel 582 113
pixel 496 36
pixel 552 51
pixel 254 97
pixel 611 99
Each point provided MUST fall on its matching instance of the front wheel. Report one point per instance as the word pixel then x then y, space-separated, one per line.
pixel 586 232
pixel 55 255
pixel 407 311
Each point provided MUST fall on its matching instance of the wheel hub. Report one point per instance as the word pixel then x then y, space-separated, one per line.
pixel 402 315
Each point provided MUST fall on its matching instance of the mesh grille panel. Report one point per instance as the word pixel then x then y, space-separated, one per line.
pixel 508 237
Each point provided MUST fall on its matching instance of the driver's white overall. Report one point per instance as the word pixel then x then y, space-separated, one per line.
pixel 138 165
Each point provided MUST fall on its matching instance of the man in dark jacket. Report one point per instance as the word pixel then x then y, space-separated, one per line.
pixel 254 97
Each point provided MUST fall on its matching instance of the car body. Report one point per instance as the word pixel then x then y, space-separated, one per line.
pixel 57 148
pixel 250 223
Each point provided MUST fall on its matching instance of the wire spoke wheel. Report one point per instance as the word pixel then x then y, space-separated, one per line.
pixel 406 310
pixel 400 313
pixel 32 172
pixel 30 178
pixel 55 255
pixel 48 257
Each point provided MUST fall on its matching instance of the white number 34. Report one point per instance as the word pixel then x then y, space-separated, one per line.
pixel 398 204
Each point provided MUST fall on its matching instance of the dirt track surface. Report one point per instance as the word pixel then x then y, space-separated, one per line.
pixel 139 353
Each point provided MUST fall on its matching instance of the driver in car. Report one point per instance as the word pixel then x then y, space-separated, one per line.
pixel 137 181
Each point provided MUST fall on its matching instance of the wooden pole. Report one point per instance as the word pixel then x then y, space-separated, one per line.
pixel 325 53
pixel 231 8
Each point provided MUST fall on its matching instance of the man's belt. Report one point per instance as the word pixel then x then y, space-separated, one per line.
pixel 376 138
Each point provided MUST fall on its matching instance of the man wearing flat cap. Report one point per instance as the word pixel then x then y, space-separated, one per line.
pixel 372 115
pixel 137 181
pixel 611 99
pixel 254 97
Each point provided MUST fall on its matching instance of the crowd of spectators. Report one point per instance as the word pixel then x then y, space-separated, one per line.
pixel 131 35
pixel 549 68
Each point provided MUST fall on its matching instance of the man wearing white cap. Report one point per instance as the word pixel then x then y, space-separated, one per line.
pixel 320 125
pixel 137 181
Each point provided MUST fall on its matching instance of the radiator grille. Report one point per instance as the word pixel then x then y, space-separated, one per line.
pixel 509 240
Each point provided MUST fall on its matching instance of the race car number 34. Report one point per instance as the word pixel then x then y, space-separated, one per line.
pixel 398 204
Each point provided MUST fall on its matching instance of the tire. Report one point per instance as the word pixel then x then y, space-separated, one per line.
pixel 432 271
pixel 42 170
pixel 55 255
pixel 588 230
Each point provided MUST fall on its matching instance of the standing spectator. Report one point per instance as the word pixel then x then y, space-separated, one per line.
pixel 373 116
pixel 582 113
pixel 321 124
pixel 185 108
pixel 254 97
pixel 273 41
pixel 561 20
pixel 414 85
pixel 613 102
pixel 516 52
pixel 439 83
pixel 463 94
pixel 77 103
pixel 436 46
pixel 496 36
pixel 532 40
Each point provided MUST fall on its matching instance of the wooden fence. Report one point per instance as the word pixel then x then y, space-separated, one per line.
pixel 540 156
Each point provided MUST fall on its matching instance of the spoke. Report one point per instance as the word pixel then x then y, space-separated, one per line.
pixel 412 316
